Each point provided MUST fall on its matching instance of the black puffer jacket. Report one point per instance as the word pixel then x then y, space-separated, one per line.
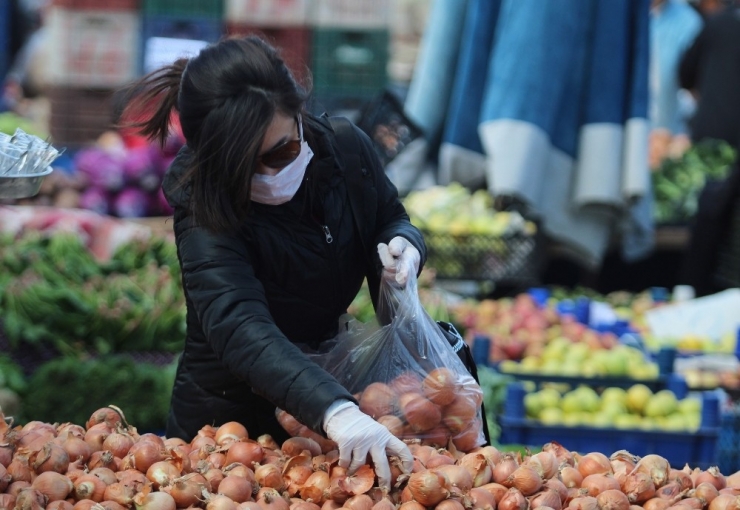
pixel 253 294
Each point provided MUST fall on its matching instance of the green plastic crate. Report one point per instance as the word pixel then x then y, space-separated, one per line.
pixel 209 8
pixel 349 64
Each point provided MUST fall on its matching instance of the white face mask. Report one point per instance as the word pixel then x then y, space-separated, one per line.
pixel 281 187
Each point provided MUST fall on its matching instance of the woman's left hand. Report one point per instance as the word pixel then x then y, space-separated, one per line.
pixel 399 258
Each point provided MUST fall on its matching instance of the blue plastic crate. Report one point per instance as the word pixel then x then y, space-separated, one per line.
pixel 728 446
pixel 698 449
pixel 179 27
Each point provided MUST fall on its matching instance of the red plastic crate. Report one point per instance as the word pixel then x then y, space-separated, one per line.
pixel 294 44
pixel 107 5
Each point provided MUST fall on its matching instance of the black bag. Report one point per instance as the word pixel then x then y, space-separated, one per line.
pixel 351 149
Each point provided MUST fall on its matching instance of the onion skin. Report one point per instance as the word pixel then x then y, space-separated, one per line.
pixel 440 386
pixel 7 502
pixel 638 487
pixel 230 432
pixel 593 463
pixel 725 502
pixel 53 485
pixel 570 476
pixel 713 476
pixel 246 452
pixel 428 488
pixel 613 500
pixel 513 500
pixel 526 479
pixel 377 399
pixel 597 483
pixel 237 488
pixel 706 492
pixel 453 504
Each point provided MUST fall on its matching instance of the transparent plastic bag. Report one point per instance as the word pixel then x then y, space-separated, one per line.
pixel 404 372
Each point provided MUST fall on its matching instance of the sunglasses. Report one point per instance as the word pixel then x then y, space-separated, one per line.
pixel 285 153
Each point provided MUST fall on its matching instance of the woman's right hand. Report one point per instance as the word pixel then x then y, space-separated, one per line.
pixel 357 434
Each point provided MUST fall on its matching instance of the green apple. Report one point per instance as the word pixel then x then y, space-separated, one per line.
pixel 551 416
pixel 614 394
pixel 590 400
pixel 602 420
pixel 612 409
pixel 626 421
pixel 549 397
pixel 578 353
pixel 571 419
pixel 637 396
pixel 532 404
pixel 690 406
pixel 570 403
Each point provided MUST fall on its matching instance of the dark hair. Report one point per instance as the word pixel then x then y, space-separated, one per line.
pixel 226 98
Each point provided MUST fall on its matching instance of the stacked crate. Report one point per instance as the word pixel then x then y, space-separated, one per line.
pixel 283 23
pixel 174 28
pixel 349 57
pixel 93 48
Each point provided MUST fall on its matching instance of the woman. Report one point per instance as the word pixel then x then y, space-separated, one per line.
pixel 268 249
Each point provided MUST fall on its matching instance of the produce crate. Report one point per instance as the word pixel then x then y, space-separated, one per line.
pixel 193 28
pixel 79 115
pixel 93 47
pixel 348 66
pixel 201 8
pixel 108 5
pixel 357 14
pixel 698 449
pixel 729 441
pixel 482 257
pixel 294 44
pixel 271 13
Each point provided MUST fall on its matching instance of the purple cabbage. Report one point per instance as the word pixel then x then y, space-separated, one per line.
pixel 103 169
pixel 132 203
pixel 95 199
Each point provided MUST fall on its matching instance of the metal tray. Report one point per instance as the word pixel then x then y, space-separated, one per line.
pixel 22 186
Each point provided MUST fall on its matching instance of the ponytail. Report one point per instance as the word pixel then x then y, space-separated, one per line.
pixel 150 102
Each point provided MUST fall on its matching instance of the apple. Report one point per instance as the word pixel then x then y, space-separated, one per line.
pixel 637 396
pixel 549 398
pixel 614 394
pixel 532 404
pixel 690 406
pixel 551 416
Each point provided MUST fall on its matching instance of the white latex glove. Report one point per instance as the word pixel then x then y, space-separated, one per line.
pixel 399 258
pixel 357 434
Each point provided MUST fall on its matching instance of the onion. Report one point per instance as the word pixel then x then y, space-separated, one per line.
pixel 240 470
pixel 437 460
pixel 440 386
pixel 669 491
pixel 53 485
pixel 479 468
pixel 377 399
pixel 420 413
pixel 77 448
pixel 30 499
pixel 504 468
pixel 706 492
pixel 584 503
pixel 693 503
pixel 681 477
pixel 101 458
pixel 108 505
pixel 544 463
pixel 359 502
pixel 269 475
pixel 453 504
pixel 458 414
pixel 570 476
pixel 250 505
pixel 186 490
pixel 556 485
pixel 513 500
pixel 146 500
pixel 469 438
pixel 638 487
pixel 296 476
pixel 524 478
pixel 316 484
pixel 406 382
pixel 725 502
pixel 238 488
pixel 19 469
pixel 613 500
pixel 89 486
pixel 411 505
pixel 489 452
pixel 5 478
pixel 230 432
pixel 67 430
pixel 95 435
pixel 563 455
pixel 656 503
pixel 392 423
pixel 270 499
pixel 60 504
pixel 6 454
pixel 713 476
pixel 84 504
pixel 656 467
pixel 120 493
pixel 732 491
pixel 105 474
pixel 118 443
pixel 597 483
pixel 358 483
pixel 593 463
pixel 734 480
pixel 458 479
pixel 143 454
pixel 105 415
pixel 161 473
pixel 7 502
pixel 296 445
pixel 428 488
pixel 214 477
pixel 15 487
pixel 547 498
pixel 133 478
pixel 246 452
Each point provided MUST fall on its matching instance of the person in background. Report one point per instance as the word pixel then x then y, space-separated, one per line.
pixel 710 69
pixel 673 27
pixel 268 249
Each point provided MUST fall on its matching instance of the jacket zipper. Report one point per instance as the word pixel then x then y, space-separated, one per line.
pixel 327 234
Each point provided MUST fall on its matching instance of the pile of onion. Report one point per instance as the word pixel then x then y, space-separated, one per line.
pixel 433 409
pixel 107 465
